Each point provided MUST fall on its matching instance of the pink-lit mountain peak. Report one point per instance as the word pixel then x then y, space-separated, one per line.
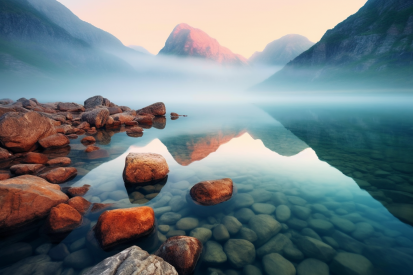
pixel 192 42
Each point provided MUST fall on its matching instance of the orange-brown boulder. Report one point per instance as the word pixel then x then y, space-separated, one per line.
pixel 4 154
pixel 60 174
pixel 26 169
pixel 60 161
pixel 57 140
pixel 97 117
pixel 122 225
pixel 91 148
pixel 4 175
pixel 146 119
pixel 78 191
pixel 19 132
pixel 134 131
pixel 25 199
pixel 88 140
pixel 144 167
pixel 174 114
pixel 35 158
pixel 123 118
pixel 156 109
pixel 63 218
pixel 212 192
pixel 80 204
pixel 182 252
pixel 84 125
pixel 70 107
pixel 114 110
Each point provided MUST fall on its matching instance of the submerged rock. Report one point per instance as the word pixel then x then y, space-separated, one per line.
pixel 313 267
pixel 144 167
pixel 123 225
pixel 264 226
pixel 88 140
pixel 181 252
pixel 78 191
pixel 275 264
pixel 239 252
pixel 214 253
pixel 156 109
pixel 275 245
pixel 63 218
pixel 212 192
pixel 60 174
pixel 133 260
pixel 349 263
pixel 313 248
pixel 19 132
pixel 80 204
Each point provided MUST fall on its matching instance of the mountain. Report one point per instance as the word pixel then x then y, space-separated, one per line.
pixel 281 51
pixel 373 47
pixel 186 41
pixel 33 44
pixel 140 49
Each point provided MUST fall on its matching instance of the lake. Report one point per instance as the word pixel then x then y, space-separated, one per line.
pixel 336 180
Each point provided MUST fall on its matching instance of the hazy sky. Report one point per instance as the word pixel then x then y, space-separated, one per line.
pixel 240 25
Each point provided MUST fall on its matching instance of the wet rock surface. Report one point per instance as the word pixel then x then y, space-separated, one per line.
pixel 156 109
pixel 60 174
pixel 144 167
pixel 212 192
pixel 63 218
pixel 57 140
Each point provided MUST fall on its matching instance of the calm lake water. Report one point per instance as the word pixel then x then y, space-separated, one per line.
pixel 311 180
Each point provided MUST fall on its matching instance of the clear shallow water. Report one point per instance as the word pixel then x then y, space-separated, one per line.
pixel 346 174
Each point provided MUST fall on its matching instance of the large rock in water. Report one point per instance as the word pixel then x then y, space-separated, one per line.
pixel 96 117
pixel 156 109
pixel 133 260
pixel 212 192
pixel 123 225
pixel 181 252
pixel 35 198
pixel 63 218
pixel 60 174
pixel 144 167
pixel 95 101
pixel 57 140
pixel 19 132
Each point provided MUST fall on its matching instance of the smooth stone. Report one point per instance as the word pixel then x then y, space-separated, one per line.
pixel 301 212
pixel 275 245
pixel 343 225
pixel 312 267
pixel 79 259
pixel 214 253
pixel 177 203
pixel 15 252
pixel 243 200
pixel 279 199
pixel 169 218
pixel 173 233
pixel 310 233
pixel 239 252
pixel 162 210
pixel 144 167
pixel 391 261
pixel 43 249
pixel 275 264
pixel 260 195
pixel 232 224
pixel 248 234
pixel 212 192
pixel 187 223
pixel 263 208
pixel 348 263
pixel 282 213
pixel 321 226
pixel 292 253
pixel 363 231
pixel 77 245
pixel 244 215
pixel 296 224
pixel 164 228
pixel 264 226
pixel 331 242
pixel 347 243
pixel 251 270
pixel 320 209
pixel 313 248
pixel 202 234
pixel 297 200
pixel 220 233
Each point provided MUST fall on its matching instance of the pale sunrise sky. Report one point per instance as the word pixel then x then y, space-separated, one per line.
pixel 243 26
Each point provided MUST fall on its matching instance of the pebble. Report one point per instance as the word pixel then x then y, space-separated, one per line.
pixel 239 252
pixel 321 226
pixel 301 212
pixel 43 249
pixel 297 200
pixel 292 253
pixel 312 267
pixel 169 218
pixel 243 200
pixel 296 224
pixel 214 253
pixel 177 203
pixel 263 208
pixel 343 225
pixel 279 199
pixel 348 263
pixel 59 252
pixel 283 213
pixel 232 224
pixel 187 223
pixel 275 264
pixel 202 234
pixel 248 234
pixel 161 210
pixel 244 215
pixel 362 231
pixel 251 270
pixel 172 233
pixel 220 233
pixel 77 245
pixel 264 226
pixel 163 228
pixel 310 233
pixel 275 245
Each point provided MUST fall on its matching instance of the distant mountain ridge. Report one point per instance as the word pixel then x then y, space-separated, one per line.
pixel 186 41
pixel 374 47
pixel 281 51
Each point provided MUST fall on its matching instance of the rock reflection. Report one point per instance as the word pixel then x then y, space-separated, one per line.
pixel 143 193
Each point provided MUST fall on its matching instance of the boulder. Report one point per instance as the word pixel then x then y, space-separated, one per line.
pixel 275 264
pixel 70 107
pixel 212 192
pixel 181 252
pixel 145 119
pixel 313 248
pixel 36 197
pixel 88 140
pixel 4 154
pixel 60 174
pixel 156 109
pixel 57 140
pixel 59 161
pixel 123 225
pixel 4 110
pixel 349 263
pixel 6 101
pixel 239 252
pixel 97 117
pixel 35 158
pixel 123 118
pixel 80 204
pixel 63 218
pixel 78 191
pixel 94 101
pixel 19 132
pixel 132 260
pixel 26 169
pixel 115 110
pixel 144 167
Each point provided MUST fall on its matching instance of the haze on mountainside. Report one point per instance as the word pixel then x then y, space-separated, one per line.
pixel 371 49
pixel 281 51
